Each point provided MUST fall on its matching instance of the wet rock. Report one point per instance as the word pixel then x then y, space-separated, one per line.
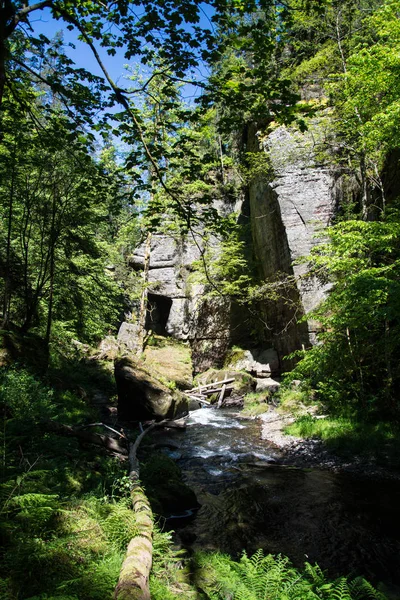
pixel 168 493
pixel 142 397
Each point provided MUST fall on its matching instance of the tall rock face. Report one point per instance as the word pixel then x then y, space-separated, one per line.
pixel 290 206
pixel 177 305
pixel 172 298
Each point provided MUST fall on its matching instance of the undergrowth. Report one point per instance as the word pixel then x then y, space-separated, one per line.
pixel 65 517
pixel 255 403
pixel 261 577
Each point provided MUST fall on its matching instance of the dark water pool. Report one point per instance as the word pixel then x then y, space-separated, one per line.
pixel 348 524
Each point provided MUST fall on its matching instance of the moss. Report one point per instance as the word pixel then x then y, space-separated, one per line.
pixel 234 355
pixel 294 399
pixel 255 403
pixel 171 361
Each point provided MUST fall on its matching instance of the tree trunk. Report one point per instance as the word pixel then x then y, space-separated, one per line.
pixel 2 54
pixel 144 296
pixel 53 237
pixel 7 282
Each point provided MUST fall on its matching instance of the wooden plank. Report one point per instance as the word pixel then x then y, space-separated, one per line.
pixel 202 387
pixel 200 399
pixel 216 390
pixel 221 396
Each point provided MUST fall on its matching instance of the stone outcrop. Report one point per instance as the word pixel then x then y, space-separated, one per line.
pixel 177 306
pixel 257 362
pixel 289 204
pixel 142 397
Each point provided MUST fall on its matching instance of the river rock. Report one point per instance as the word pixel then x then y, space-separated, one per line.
pixel 267 384
pixel 258 362
pixel 142 397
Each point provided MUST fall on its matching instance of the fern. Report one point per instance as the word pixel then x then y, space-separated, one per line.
pixel 361 589
pixel 261 577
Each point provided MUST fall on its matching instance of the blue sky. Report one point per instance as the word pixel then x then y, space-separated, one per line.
pixel 43 23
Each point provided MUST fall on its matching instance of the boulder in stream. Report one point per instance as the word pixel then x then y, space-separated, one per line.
pixel 143 397
pixel 258 362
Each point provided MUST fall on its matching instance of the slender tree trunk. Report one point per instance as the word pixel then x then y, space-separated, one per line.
pixel 2 52
pixel 365 201
pixel 52 269
pixel 144 295
pixel 7 283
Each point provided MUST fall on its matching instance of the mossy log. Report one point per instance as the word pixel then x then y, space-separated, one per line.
pixel 133 582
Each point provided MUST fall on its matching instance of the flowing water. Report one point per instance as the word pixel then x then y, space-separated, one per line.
pixel 346 523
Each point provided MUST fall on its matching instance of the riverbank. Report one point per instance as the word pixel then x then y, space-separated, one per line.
pixel 316 453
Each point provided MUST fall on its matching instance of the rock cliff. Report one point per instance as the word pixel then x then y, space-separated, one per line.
pixel 289 204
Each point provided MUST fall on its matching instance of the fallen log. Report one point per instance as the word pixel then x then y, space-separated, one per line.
pixel 97 439
pixel 197 398
pixel 133 582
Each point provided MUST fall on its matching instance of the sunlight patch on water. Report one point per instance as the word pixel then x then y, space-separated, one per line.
pixel 215 472
pixel 210 417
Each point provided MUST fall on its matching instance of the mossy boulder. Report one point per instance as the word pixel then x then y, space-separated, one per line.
pixel 169 360
pixel 260 362
pixel 141 396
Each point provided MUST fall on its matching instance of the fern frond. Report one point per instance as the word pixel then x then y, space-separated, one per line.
pixel 361 589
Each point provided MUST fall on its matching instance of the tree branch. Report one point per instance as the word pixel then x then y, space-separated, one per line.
pixel 23 13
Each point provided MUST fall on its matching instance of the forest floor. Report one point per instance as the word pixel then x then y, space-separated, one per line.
pixel 318 453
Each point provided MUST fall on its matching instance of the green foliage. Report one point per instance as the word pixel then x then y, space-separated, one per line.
pixel 347 437
pixel 77 552
pixel 368 93
pixel 355 369
pixel 170 574
pixel 259 577
pixel 55 203
pixel 24 396
pixel 255 403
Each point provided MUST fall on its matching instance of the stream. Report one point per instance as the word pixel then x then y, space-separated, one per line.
pixel 347 523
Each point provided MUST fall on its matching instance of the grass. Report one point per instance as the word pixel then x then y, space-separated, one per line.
pixel 349 438
pixel 171 362
pixel 255 404
pixel 294 399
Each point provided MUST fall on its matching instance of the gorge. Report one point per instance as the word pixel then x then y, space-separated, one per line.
pixel 199 300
